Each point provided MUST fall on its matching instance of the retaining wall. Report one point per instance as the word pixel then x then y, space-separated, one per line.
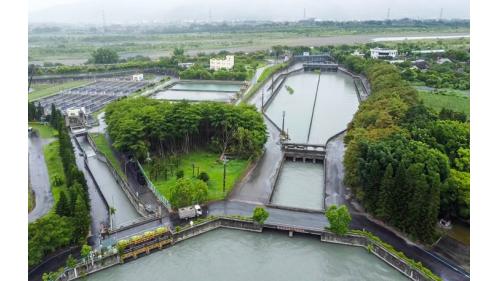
pixel 121 182
pixel 83 269
pixel 377 250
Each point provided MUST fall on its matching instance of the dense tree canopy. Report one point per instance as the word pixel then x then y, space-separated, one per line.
pixel 143 125
pixel 104 56
pixel 406 164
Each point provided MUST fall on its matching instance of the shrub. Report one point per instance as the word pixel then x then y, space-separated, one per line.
pixel 204 176
pixel 260 215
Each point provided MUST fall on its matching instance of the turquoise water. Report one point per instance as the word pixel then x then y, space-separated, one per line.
pixel 207 87
pixel 224 254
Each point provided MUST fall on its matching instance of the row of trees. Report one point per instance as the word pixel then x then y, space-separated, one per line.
pixel 69 223
pixel 138 126
pixel 35 112
pixel 407 164
pixel 197 71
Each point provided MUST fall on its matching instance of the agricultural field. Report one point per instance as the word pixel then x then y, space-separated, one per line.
pixel 204 162
pixel 75 47
pixel 446 99
pixel 41 90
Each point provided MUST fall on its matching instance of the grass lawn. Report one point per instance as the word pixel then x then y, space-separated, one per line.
pixel 207 162
pixel 44 131
pixel 104 147
pixel 47 89
pixel 54 166
pixel 452 101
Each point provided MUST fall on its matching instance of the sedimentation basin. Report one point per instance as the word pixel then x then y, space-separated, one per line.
pixel 200 91
pixel 317 106
pixel 331 95
pixel 225 254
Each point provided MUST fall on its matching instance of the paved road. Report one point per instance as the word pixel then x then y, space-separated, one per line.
pixel 39 177
pixel 334 169
pixel 313 220
pixel 257 186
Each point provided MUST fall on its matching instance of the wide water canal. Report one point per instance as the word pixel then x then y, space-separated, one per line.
pixel 336 103
pixel 238 255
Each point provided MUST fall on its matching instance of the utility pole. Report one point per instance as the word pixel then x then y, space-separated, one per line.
pixel 304 16
pixel 283 124
pixel 103 22
pixel 262 100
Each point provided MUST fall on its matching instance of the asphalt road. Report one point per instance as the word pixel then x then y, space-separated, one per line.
pixel 39 177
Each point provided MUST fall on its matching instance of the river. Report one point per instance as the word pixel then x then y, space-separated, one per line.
pixel 238 255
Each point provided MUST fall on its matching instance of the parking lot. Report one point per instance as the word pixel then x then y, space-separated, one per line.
pixel 93 96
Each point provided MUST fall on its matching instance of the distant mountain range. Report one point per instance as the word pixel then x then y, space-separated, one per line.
pixel 128 11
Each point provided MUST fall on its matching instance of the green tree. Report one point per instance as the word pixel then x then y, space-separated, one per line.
pixel 62 206
pixel 260 215
pixel 339 219
pixel 71 261
pixel 85 251
pixel 81 220
pixel 178 52
pixel 187 192
pixel 104 56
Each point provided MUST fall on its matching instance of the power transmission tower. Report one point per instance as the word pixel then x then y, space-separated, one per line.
pixel 304 13
pixel 103 22
pixel 441 14
pixel 388 13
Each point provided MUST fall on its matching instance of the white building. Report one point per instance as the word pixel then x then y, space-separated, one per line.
pixel 379 53
pixel 138 77
pixel 217 64
pixel 76 117
pixel 185 64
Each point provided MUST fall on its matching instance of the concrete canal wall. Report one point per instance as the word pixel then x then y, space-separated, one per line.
pixel 119 180
pixel 113 258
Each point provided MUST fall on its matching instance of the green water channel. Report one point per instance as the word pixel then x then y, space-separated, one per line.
pixel 238 255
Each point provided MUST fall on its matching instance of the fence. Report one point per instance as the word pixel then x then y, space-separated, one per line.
pixel 155 191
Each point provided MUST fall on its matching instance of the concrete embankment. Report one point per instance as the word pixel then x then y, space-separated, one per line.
pixel 223 222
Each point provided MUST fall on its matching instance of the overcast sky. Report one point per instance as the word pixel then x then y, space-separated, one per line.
pixel 131 11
